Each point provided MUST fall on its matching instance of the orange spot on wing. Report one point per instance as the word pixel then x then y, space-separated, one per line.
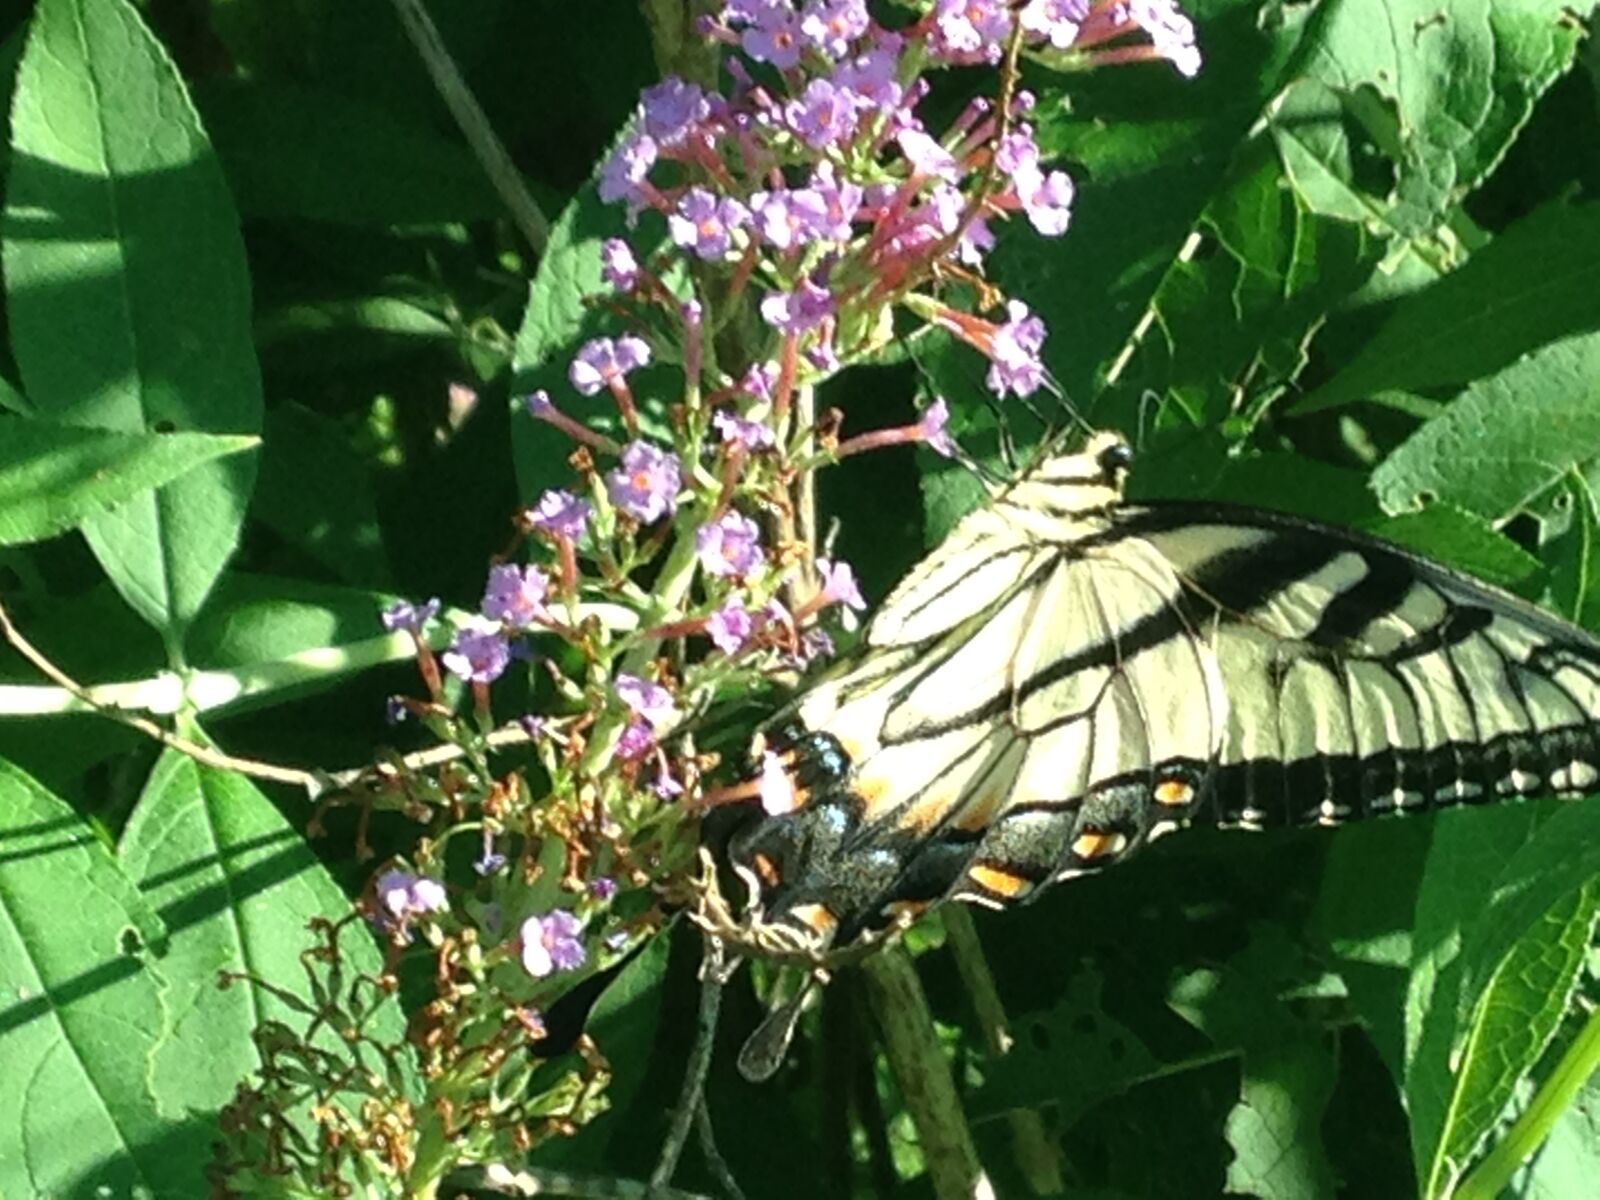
pixel 1174 793
pixel 998 880
pixel 1094 844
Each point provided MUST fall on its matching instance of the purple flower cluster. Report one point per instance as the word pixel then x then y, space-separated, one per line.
pixel 848 92
pixel 650 706
pixel 401 897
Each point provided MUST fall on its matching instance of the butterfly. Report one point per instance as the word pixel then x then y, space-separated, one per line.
pixel 1071 675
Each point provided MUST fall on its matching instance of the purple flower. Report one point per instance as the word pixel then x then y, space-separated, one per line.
pixel 647 700
pixel 872 79
pixel 758 381
pixel 739 431
pixel 1054 20
pixel 705 223
pixel 636 740
pixel 403 614
pixel 514 595
pixel 1017 153
pixel 814 644
pixel 553 942
pixel 795 312
pixel 927 157
pixel 402 897
pixel 788 217
pixel 625 173
pixel 602 362
pixel 618 267
pixel 968 30
pixel 1047 199
pixel 1014 354
pixel 823 115
pixel 730 545
pixel 773 35
pixel 491 861
pixel 671 108
pixel 562 514
pixel 839 203
pixel 1170 32
pixel 932 427
pixel 532 725
pixel 730 626
pixel 666 787
pixel 603 888
pixel 646 484
pixel 479 653
pixel 839 584
pixel 831 25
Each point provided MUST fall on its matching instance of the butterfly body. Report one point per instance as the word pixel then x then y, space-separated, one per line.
pixel 1069 676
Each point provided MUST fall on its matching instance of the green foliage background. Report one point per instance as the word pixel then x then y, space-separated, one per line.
pixel 1352 271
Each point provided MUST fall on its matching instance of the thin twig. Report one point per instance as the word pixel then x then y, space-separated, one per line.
pixel 202 754
pixel 714 1160
pixel 315 783
pixel 469 115
pixel 694 1076
pixel 538 1181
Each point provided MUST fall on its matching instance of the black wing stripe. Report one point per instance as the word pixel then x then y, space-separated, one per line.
pixel 1380 592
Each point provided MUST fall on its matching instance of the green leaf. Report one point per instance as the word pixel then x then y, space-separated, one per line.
pixel 1514 1018
pixel 1275 1129
pixel 1238 308
pixel 126 287
pixel 1506 440
pixel 555 322
pixel 1537 282
pixel 1442 93
pixel 1080 1054
pixel 1469 849
pixel 1365 911
pixel 1575 571
pixel 1461 539
pixel 52 477
pixel 297 151
pixel 235 885
pixel 80 1014
pixel 1561 857
pixel 335 524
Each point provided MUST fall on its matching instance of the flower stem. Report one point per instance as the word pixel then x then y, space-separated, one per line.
pixel 1529 1131
pixel 901 1007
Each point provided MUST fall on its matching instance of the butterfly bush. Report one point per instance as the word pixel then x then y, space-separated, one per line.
pixel 779 230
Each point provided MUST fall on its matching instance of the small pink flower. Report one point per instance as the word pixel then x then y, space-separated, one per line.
pixel 553 942
pixel 730 545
